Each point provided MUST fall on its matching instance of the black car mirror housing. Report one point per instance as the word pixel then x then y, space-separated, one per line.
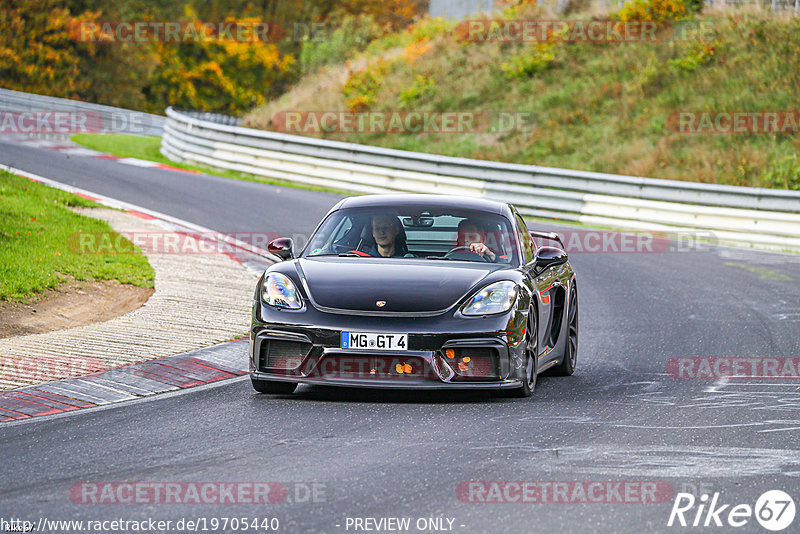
pixel 550 256
pixel 282 247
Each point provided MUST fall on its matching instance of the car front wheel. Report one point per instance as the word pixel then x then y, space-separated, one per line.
pixel 531 360
pixel 570 361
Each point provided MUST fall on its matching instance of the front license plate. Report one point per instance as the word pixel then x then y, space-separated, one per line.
pixel 368 341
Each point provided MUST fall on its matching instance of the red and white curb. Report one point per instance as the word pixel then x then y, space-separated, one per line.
pixel 204 366
pixel 128 382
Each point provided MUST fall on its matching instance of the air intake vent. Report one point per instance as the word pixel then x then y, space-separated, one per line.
pixel 475 363
pixel 280 354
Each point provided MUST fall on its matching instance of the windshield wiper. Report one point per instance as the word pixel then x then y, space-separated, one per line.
pixel 438 258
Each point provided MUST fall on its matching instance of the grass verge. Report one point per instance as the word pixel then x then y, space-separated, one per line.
pixel 36 229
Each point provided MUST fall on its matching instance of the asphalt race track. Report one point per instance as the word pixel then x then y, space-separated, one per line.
pixel 344 453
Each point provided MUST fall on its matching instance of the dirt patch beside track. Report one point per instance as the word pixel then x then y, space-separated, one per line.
pixel 73 303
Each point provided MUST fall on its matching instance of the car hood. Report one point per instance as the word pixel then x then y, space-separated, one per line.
pixel 405 285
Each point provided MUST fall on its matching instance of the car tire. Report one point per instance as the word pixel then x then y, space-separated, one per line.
pixel 273 387
pixel 531 360
pixel 570 359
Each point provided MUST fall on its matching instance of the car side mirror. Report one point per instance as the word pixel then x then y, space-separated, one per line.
pixel 552 236
pixel 550 256
pixel 283 247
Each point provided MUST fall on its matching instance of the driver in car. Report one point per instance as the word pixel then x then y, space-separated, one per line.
pixel 470 236
pixel 385 231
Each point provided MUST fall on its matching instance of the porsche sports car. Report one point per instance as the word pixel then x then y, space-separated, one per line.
pixel 415 291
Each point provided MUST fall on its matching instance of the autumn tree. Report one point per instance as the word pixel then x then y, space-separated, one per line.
pixel 36 52
pixel 216 74
pixel 394 14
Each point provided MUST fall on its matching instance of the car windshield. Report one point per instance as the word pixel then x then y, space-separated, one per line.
pixel 416 232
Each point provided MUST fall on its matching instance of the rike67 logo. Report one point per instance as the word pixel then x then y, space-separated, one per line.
pixel 774 510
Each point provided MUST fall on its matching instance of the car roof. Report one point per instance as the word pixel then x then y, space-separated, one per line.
pixel 434 201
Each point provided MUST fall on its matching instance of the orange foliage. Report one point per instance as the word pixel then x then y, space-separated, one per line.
pixel 654 10
pixel 218 75
pixel 416 49
pixel 395 14
pixel 36 52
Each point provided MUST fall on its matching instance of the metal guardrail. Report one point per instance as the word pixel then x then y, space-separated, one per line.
pixel 744 215
pixel 210 116
pixel 99 118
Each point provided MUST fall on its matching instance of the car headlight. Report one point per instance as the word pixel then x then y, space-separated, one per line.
pixel 494 298
pixel 279 291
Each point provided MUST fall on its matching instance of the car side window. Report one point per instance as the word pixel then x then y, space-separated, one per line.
pixel 525 239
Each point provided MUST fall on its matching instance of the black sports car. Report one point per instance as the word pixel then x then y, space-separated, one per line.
pixel 415 291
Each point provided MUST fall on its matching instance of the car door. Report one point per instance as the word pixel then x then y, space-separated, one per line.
pixel 528 261
pixel 546 286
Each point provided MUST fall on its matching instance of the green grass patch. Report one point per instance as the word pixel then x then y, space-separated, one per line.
pixel 37 242
pixel 125 146
pixel 148 148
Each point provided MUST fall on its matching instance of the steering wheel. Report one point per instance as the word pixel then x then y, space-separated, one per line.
pixel 462 252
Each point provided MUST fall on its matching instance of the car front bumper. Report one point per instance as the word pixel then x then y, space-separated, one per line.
pixel 445 352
